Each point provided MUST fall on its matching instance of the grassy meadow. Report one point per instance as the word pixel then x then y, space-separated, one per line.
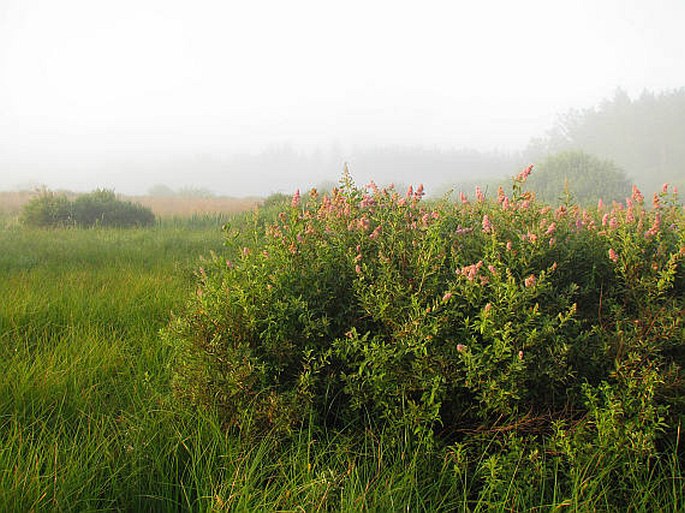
pixel 89 420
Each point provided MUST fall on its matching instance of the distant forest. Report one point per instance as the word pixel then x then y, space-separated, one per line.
pixel 645 137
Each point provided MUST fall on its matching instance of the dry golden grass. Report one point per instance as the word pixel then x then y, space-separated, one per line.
pixel 188 206
pixel 11 203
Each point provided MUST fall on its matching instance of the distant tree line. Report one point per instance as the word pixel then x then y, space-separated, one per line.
pixel 98 208
pixel 643 136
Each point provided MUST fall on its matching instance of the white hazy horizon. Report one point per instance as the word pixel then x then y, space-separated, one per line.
pixel 129 94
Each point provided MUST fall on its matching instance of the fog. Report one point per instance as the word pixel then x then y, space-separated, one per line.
pixel 250 98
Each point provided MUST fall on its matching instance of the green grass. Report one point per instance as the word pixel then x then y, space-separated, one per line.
pixel 88 420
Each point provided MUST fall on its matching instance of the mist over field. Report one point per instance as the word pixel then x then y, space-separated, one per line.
pixel 253 98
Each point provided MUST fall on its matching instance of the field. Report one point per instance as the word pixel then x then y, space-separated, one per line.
pixel 89 420
pixel 11 203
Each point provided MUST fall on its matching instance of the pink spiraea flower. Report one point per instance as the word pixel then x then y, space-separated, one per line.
pixel 367 201
pixel 461 348
pixel 500 194
pixel 530 281
pixel 630 216
pixel 470 272
pixel 446 297
pixel 613 256
pixel 487 225
pixel 376 232
pixel 656 226
pixel 296 199
pixel 523 175
pixel 480 197
pixel 656 201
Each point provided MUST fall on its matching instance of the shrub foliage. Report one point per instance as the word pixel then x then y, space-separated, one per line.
pixel 370 309
pixel 98 208
pixel 582 176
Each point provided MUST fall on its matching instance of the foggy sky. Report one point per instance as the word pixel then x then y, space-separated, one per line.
pixel 130 93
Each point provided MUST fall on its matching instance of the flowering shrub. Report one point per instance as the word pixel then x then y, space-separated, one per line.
pixel 369 308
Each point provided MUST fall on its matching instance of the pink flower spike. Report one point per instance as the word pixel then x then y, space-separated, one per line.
pixel 446 297
pixel 613 256
pixel 664 188
pixel 520 355
pixel 461 348
pixel 479 194
pixel 296 199
pixel 524 174
pixel 530 281
pixel 487 226
pixel 600 204
pixel 462 197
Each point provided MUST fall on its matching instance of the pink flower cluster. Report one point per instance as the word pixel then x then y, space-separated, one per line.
pixel 470 272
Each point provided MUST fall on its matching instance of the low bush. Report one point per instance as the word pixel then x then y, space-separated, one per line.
pixel 98 208
pixel 581 176
pixel 374 310
pixel 47 209
pixel 101 207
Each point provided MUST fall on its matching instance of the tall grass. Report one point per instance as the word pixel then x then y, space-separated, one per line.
pixel 88 420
